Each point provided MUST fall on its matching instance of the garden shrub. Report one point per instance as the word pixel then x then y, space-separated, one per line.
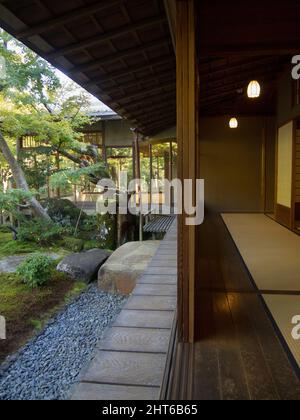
pixel 40 232
pixel 64 212
pixel 36 270
pixel 4 229
pixel 91 245
pixel 73 244
pixel 10 247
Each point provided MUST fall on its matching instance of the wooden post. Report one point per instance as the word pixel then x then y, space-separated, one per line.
pixel 187 153
pixel 138 187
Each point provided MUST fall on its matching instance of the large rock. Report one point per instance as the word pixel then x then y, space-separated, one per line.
pixel 123 268
pixel 83 266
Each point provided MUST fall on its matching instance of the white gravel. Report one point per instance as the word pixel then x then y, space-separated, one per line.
pixel 48 366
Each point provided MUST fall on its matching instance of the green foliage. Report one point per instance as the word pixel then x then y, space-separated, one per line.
pixel 16 248
pixel 4 229
pixel 79 176
pixel 63 211
pixel 36 270
pixel 73 244
pixel 12 199
pixel 91 245
pixel 40 232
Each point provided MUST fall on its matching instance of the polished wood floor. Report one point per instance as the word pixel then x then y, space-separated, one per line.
pixel 238 354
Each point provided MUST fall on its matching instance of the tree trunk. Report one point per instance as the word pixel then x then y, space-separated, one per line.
pixel 20 179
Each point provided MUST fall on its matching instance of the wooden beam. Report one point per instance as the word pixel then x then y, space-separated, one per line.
pixel 118 56
pixel 155 109
pixel 170 6
pixel 148 129
pixel 145 92
pixel 68 17
pixel 239 69
pixel 250 50
pixel 132 69
pixel 153 119
pixel 107 36
pixel 143 104
pixel 138 81
pixel 188 162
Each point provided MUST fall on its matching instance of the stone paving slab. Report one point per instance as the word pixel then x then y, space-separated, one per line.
pixel 155 290
pixel 136 340
pixel 165 264
pixel 157 279
pixel 129 362
pixel 126 368
pixel 155 303
pixel 145 319
pixel 100 392
pixel 162 271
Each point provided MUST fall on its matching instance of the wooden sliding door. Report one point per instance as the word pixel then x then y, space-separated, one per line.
pixel 187 160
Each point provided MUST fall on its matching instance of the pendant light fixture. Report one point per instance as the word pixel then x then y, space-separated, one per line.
pixel 254 89
pixel 233 123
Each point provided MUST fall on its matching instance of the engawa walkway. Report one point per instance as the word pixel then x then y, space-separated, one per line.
pixel 129 362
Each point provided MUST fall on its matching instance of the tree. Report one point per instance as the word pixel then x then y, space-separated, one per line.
pixel 33 102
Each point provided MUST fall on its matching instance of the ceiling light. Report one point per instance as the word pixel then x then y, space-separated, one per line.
pixel 233 123
pixel 253 89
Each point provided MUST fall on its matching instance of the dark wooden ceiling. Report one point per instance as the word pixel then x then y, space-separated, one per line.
pixel 224 82
pixel 120 51
pixel 239 41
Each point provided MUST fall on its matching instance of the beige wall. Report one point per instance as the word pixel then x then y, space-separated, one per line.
pixel 232 164
pixel 285 110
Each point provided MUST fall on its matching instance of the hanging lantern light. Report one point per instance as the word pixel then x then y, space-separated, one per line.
pixel 233 123
pixel 254 89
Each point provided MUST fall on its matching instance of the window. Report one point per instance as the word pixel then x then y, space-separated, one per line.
pixel 296 92
pixel 28 142
pixel 94 138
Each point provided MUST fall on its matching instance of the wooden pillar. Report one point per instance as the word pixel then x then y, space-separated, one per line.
pixel 187 160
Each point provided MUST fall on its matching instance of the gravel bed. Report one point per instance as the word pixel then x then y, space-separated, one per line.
pixel 48 366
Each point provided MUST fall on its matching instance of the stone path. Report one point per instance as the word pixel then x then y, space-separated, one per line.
pixel 130 360
pixel 10 264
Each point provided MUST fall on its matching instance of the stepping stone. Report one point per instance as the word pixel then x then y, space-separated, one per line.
pixel 121 271
pixel 136 340
pixel 145 319
pixel 152 303
pixel 155 290
pixel 99 392
pixel 122 368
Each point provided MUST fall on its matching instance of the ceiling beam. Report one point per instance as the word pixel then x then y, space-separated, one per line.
pixel 133 84
pixel 119 55
pixel 145 92
pixel 157 109
pixel 142 104
pixel 239 68
pixel 171 10
pixel 107 36
pixel 155 128
pixel 132 69
pixel 251 50
pixel 68 17
pixel 233 87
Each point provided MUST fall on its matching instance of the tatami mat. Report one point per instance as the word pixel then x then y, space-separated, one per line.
pixel 284 309
pixel 270 251
pixel 272 255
